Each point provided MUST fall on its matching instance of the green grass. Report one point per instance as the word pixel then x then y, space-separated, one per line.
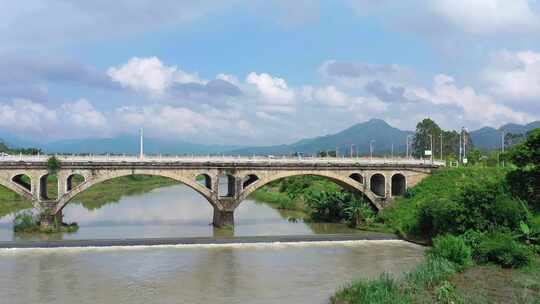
pixel 11 202
pixel 404 214
pixel 417 286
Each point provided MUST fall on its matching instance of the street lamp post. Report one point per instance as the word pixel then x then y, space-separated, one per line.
pixel 441 146
pixel 371 149
pixel 431 146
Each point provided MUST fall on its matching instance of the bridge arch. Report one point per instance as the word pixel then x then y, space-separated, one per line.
pixel 399 184
pixel 91 180
pixel 22 189
pixel 377 184
pixel 249 179
pixel 343 181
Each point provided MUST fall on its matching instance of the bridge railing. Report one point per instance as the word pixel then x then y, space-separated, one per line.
pixel 218 159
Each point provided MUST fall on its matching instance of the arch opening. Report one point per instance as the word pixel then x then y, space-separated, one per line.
pixel 249 180
pixel 111 189
pixel 24 181
pixel 205 180
pixel 399 184
pixel 73 181
pixel 227 185
pixel 357 177
pixel 294 186
pixel 377 184
pixel 48 187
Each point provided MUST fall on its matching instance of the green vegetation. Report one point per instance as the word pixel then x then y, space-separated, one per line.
pixel 27 222
pixel 11 202
pixel 53 164
pixel 481 222
pixel 320 200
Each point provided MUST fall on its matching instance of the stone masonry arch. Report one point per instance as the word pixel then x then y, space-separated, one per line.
pixel 92 178
pixel 341 178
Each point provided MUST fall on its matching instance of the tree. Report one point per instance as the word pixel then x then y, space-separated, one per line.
pixel 424 130
pixel 53 164
pixel 525 179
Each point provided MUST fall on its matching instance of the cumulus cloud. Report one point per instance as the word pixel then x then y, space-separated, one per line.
pixel 477 108
pixel 82 114
pixel 515 76
pixel 38 121
pixel 273 90
pixel 328 95
pixel 150 75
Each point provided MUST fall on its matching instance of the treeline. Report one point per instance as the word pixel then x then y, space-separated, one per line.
pixel 4 148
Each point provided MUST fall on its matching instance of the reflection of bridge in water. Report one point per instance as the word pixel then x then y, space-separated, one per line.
pixel 224 181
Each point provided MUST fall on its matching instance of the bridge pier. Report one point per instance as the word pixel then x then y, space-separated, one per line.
pixel 223 218
pixel 49 220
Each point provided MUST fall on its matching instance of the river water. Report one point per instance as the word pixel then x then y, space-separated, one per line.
pixel 249 273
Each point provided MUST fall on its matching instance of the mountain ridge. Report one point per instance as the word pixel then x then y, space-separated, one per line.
pixel 386 138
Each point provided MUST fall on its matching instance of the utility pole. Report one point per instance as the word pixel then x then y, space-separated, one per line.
pixel 502 144
pixel 464 144
pixel 408 145
pixel 371 149
pixel 460 151
pixel 141 153
pixel 441 146
pixel 431 146
pixel 352 150
pixel 392 150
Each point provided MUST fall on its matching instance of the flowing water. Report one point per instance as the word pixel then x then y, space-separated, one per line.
pixel 249 273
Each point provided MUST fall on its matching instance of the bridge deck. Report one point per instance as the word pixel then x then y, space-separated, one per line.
pixel 214 161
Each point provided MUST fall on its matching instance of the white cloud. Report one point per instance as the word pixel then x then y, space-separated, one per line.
pixel 328 95
pixel 514 76
pixel 150 75
pixel 35 120
pixel 82 113
pixel 273 90
pixel 487 17
pixel 26 115
pixel 479 108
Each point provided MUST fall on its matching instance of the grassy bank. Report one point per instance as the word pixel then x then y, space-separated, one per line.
pixel 113 190
pixel 474 207
pixel 448 276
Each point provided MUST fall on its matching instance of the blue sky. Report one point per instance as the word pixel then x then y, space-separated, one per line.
pixel 263 72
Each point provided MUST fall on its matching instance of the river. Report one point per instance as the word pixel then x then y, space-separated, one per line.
pixel 249 273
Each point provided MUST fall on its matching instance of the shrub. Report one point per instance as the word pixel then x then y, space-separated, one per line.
pixel 473 238
pixel 53 164
pixel 502 249
pixel 382 290
pixel 25 221
pixel 452 248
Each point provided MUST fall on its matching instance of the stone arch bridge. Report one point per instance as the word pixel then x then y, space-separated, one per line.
pixel 224 181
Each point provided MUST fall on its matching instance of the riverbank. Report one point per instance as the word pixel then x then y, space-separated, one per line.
pixel 200 240
pixel 95 197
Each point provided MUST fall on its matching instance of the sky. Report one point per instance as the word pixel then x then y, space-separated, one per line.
pixel 263 72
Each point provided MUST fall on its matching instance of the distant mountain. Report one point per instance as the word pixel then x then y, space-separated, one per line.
pixel 489 138
pixel 360 135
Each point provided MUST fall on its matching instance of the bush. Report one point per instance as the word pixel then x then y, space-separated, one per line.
pixel 456 200
pixel 452 248
pixel 25 221
pixel 430 273
pixel 501 248
pixel 382 290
